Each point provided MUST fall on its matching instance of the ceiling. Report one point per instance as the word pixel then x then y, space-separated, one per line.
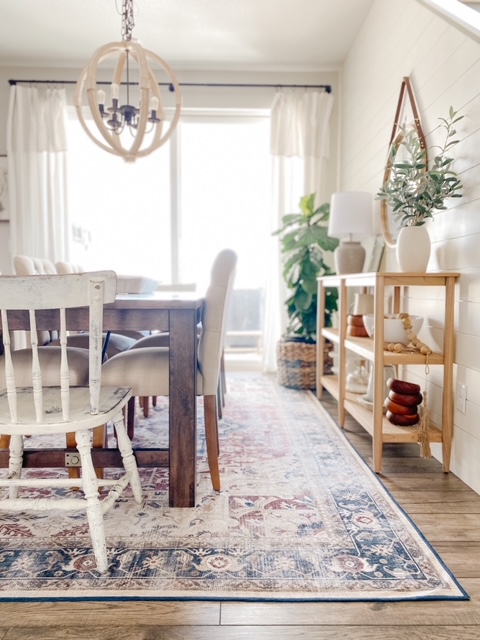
pixel 293 35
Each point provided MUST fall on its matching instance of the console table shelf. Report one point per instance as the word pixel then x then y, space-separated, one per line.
pixel 372 418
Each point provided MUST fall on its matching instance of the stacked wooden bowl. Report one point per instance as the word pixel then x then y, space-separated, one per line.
pixel 402 402
pixel 356 327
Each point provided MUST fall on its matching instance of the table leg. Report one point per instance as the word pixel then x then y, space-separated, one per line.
pixel 182 408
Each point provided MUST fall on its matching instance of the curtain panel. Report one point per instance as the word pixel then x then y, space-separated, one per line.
pixel 299 125
pixel 299 144
pixel 36 148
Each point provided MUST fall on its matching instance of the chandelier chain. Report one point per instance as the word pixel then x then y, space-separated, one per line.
pixel 127 19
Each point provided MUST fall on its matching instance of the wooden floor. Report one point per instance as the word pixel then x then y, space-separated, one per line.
pixel 444 508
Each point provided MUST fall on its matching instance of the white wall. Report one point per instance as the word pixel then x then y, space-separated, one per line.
pixel 193 98
pixel 406 39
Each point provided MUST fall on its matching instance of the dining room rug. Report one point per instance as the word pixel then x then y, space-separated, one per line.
pixel 300 517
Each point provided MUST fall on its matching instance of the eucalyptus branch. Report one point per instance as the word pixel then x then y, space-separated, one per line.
pixel 415 188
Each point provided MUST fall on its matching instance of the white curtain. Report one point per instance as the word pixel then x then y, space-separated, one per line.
pixel 299 146
pixel 36 148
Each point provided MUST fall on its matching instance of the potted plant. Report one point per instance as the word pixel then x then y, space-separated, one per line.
pixel 415 188
pixel 303 238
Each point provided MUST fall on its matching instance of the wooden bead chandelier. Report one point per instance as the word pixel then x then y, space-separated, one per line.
pixel 124 129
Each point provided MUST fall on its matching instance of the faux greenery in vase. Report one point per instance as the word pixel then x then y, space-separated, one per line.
pixel 304 241
pixel 415 188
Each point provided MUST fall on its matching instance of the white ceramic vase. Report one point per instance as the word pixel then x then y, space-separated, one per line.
pixel 413 249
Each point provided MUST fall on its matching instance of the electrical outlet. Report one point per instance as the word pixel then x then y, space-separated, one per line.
pixel 461 397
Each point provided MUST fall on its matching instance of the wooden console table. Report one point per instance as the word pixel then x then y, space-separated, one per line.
pixel 372 350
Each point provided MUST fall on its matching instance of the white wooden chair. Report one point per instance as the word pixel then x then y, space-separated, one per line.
pixel 146 370
pixel 32 266
pixel 36 409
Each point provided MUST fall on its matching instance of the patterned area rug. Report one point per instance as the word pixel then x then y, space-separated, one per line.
pixel 300 518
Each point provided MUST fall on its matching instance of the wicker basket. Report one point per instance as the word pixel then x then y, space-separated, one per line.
pixel 297 363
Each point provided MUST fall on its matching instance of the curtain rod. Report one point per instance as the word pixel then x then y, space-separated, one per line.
pixel 327 87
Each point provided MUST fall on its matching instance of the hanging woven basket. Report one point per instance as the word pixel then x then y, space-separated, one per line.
pixel 297 363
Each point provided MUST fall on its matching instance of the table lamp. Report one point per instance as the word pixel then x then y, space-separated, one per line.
pixel 351 217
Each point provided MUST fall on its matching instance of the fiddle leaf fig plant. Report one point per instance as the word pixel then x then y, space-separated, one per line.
pixel 416 188
pixel 304 240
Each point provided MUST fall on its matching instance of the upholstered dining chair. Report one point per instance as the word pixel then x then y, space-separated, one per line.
pixel 146 370
pixel 29 266
pixel 161 339
pixel 48 404
pixel 118 344
pixel 63 267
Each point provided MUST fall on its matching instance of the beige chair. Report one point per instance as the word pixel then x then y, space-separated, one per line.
pixel 146 370
pixel 29 266
pixel 48 267
pixel 67 267
pixel 118 344
pixel 161 339
pixel 50 404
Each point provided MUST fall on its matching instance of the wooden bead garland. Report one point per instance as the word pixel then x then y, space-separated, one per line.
pixel 413 341
pixel 416 345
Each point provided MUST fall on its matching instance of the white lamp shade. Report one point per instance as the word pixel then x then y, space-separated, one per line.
pixel 351 215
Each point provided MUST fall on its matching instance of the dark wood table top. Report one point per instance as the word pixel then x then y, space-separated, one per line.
pixel 143 311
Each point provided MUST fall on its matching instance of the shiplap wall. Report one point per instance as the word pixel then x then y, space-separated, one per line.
pixel 406 39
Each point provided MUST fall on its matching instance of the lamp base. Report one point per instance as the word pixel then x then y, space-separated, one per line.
pixel 349 257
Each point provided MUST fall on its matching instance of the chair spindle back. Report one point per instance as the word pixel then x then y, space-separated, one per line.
pixel 55 294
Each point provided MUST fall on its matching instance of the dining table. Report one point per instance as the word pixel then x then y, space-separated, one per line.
pixel 178 313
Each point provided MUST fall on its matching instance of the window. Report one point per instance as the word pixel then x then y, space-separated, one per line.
pixel 120 211
pixel 167 215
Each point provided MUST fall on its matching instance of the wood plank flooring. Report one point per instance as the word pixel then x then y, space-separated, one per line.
pixel 444 508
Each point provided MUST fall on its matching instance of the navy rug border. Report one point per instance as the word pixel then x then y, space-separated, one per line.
pixel 406 515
